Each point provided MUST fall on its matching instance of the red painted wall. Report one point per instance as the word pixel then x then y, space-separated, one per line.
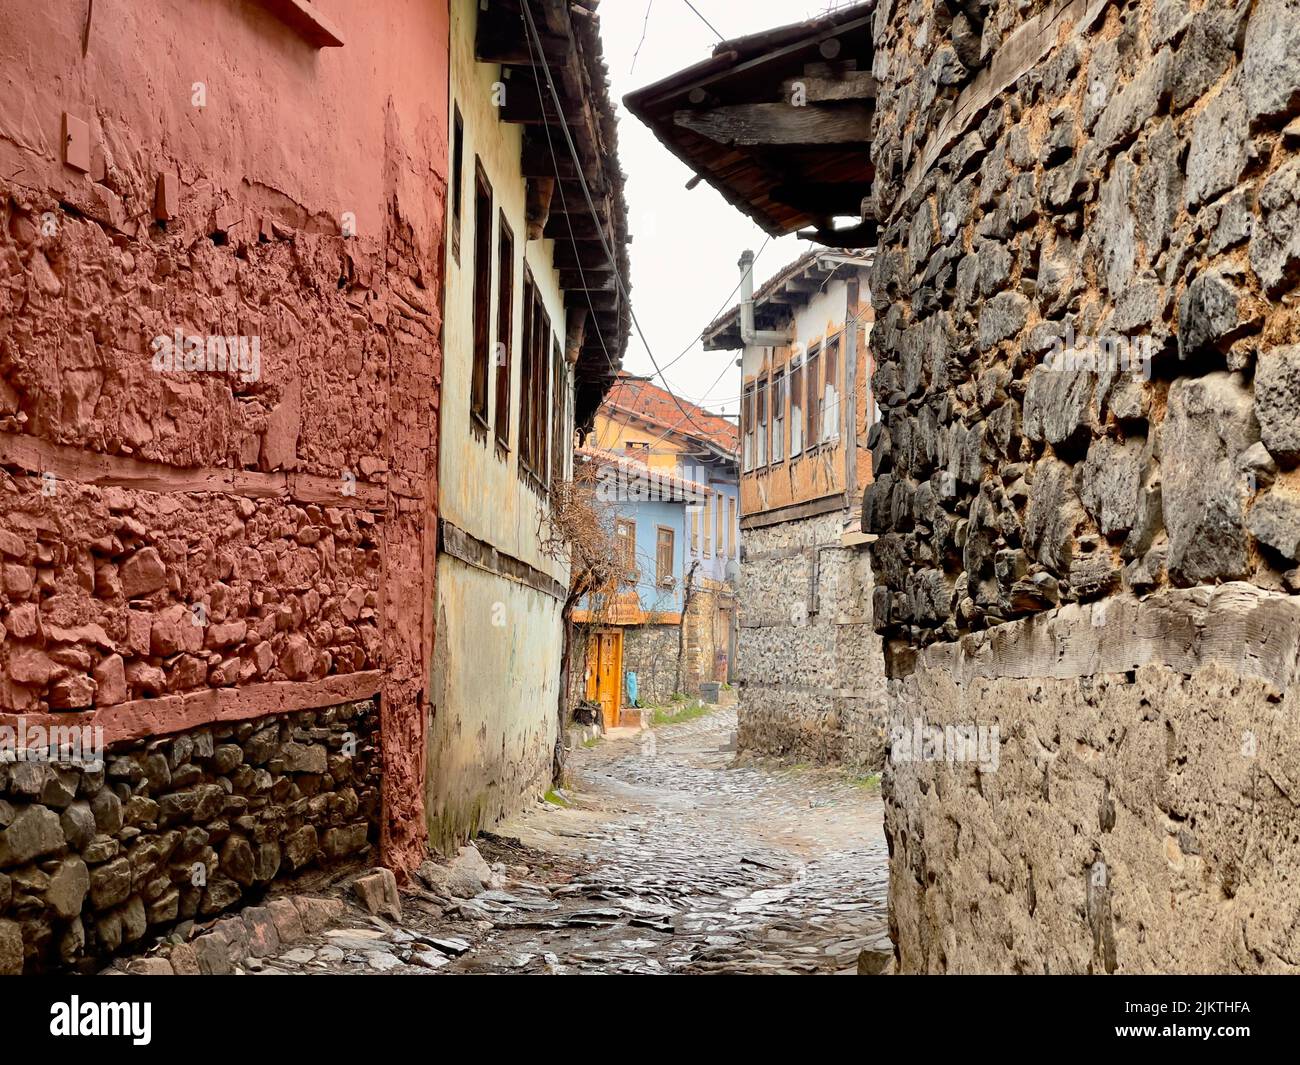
pixel 291 511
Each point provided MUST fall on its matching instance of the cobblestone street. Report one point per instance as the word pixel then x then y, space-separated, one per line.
pixel 666 856
pixel 690 863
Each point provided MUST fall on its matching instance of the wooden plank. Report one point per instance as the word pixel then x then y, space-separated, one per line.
pixel 779 124
pixel 145 718
pixel 472 551
pixel 68 463
pixel 818 88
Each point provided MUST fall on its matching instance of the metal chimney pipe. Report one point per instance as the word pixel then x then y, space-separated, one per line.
pixel 752 337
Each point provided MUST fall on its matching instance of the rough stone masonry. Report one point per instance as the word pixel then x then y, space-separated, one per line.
pixel 1087 494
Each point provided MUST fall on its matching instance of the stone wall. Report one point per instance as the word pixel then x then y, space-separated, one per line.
pixel 812 682
pixel 650 651
pixel 97 856
pixel 1087 364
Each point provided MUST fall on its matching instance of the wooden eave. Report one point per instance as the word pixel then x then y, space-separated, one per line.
pixel 557 207
pixel 731 119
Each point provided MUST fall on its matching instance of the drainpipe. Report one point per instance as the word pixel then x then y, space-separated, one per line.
pixel 752 337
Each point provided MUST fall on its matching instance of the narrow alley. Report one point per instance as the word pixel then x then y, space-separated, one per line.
pixel 679 860
pixel 666 856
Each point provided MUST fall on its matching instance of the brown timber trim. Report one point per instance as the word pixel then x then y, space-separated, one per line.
pixel 469 549
pixel 796 511
pixel 145 718
pixel 68 463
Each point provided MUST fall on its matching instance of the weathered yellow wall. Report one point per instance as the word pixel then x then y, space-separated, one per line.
pixel 497 653
pixel 495 694
pixel 613 435
pixel 481 493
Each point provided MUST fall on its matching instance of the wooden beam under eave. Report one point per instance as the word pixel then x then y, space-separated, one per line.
pixel 540 159
pixel 570 255
pixel 576 326
pixel 757 125
pixel 594 278
pixel 591 299
pixel 540 191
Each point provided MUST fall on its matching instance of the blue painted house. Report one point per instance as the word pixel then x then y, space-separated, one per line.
pixel 671 482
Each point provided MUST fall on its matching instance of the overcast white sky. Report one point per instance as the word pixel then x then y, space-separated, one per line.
pixel 685 244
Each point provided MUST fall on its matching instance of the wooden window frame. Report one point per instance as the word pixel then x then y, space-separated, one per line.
pixel 527 349
pixel 761 453
pixel 505 328
pixel 731 526
pixel 707 523
pixel 695 529
pixel 720 511
pixel 625 537
pixel 747 429
pixel 812 435
pixel 795 386
pixel 776 402
pixel 457 179
pixel 483 261
pixel 662 579
pixel 831 375
pixel 559 406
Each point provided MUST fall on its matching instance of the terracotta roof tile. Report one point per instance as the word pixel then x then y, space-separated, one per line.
pixel 639 396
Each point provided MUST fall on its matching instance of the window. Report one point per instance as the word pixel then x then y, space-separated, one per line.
pixel 731 526
pixel 478 395
pixel 778 417
pixel 830 392
pixel 708 523
pixel 457 180
pixel 625 537
pixel 760 423
pixel 505 327
pixel 796 407
pixel 719 514
pixel 664 556
pixel 747 421
pixel 526 353
pixel 812 393
pixel 559 413
pixel 695 529
pixel 533 383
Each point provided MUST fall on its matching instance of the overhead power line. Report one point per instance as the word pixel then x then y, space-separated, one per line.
pixel 703 19
pixel 539 52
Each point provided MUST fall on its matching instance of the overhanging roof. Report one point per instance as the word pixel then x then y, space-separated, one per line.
pixel 792 287
pixel 779 123
pixel 571 50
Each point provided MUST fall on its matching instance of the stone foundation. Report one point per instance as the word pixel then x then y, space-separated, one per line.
pixel 1132 812
pixel 164 830
pixel 810 668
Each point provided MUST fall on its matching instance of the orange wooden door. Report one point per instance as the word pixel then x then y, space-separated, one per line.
pixel 609 675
